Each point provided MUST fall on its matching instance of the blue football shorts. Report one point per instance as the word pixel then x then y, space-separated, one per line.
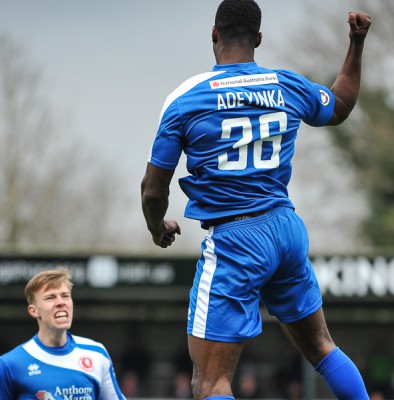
pixel 261 259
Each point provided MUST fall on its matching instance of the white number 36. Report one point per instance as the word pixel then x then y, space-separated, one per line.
pixel 247 137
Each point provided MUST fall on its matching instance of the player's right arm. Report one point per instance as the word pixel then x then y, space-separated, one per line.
pixel 155 189
pixel 347 83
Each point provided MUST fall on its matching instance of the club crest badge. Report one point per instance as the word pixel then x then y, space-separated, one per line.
pixel 325 98
pixel 86 363
pixel 44 395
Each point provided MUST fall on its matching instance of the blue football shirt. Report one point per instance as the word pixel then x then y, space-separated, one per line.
pixel 237 126
pixel 79 370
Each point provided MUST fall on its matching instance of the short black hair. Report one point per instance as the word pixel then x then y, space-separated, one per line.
pixel 238 20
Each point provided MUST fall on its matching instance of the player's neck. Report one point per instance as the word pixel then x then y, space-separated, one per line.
pixel 51 338
pixel 233 55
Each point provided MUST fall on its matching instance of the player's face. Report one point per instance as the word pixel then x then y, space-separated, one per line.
pixel 53 308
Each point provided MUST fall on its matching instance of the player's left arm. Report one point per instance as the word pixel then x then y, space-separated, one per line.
pixel 109 387
pixel 155 190
pixel 347 83
pixel 6 382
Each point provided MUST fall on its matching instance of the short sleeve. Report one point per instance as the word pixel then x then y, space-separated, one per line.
pixel 168 144
pixel 320 103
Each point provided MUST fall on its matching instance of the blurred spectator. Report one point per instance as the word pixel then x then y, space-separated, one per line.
pixel 289 377
pixel 247 384
pixel 376 395
pixel 182 385
pixel 181 388
pixel 293 390
pixel 135 365
pixel 130 384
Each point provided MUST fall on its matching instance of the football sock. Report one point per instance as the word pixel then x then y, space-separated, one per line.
pixel 342 376
pixel 220 398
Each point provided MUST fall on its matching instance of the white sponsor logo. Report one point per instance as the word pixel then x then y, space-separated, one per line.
pixel 244 80
pixel 34 369
pixel 75 393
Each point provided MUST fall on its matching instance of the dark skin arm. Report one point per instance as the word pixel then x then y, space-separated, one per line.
pixel 347 84
pixel 155 190
pixel 156 182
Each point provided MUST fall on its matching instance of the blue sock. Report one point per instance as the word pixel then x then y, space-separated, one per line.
pixel 342 376
pixel 220 398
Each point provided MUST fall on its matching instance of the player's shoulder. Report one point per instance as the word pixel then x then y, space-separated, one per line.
pixel 290 75
pixel 89 344
pixel 199 78
pixel 296 81
pixel 14 354
pixel 186 87
pixel 84 341
pixel 192 82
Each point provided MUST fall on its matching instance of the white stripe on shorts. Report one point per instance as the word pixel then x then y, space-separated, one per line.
pixel 204 287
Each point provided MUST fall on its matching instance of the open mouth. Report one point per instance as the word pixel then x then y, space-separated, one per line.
pixel 61 314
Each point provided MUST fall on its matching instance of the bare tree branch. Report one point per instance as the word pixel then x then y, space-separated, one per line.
pixel 53 192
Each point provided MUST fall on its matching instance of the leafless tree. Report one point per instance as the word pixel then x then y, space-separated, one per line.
pixel 53 192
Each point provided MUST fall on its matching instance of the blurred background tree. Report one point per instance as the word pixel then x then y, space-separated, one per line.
pixel 365 140
pixel 93 206
pixel 54 193
pixel 368 145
